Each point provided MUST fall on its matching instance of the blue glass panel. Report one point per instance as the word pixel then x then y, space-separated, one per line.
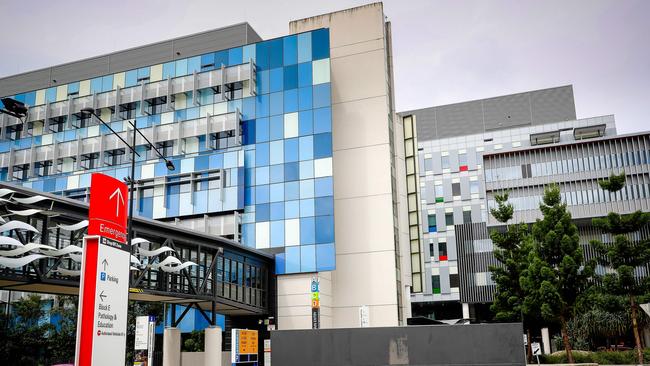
pixel 262 175
pixel 305 99
pixel 306 169
pixel 96 85
pixel 292 259
pixel 324 229
pixel 235 56
pixel 262 130
pixel 61 184
pixel 107 83
pixel 262 212
pixel 216 161
pixel 307 207
pixel 169 70
pixel 323 187
pixel 307 230
pixel 276 173
pixel 230 160
pixel 248 108
pixel 290 100
pixel 248 236
pixel 304 74
pixel 291 190
pixel 144 72
pixel 49 185
pixel 277 103
pixel 322 145
pixel 305 123
pixel 249 158
pixel 277 127
pixel 280 263
pixel 291 77
pixel 307 188
pixel 277 208
pixel 249 196
pixel 262 195
pixel 220 58
pixel 262 154
pixel 290 50
pixel 262 56
pixel 192 113
pixel 201 163
pixel 322 120
pixel 248 52
pixel 248 132
pixel 304 47
pixel 277 234
pixel 276 80
pixel 291 209
pixel 193 64
pixel 200 202
pixel 306 147
pixel 308 258
pixel 50 95
pixel 249 179
pixel 325 257
pixel 72 88
pixel 30 98
pixel 131 78
pixel 276 152
pixel 290 150
pixel 207 62
pixel 324 206
pixel 322 95
pixel 173 201
pixel 181 67
pixel 262 105
pixel 320 44
pixel 233 105
pixel 275 53
pixel 276 192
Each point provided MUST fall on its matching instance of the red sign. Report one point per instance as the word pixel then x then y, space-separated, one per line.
pixel 107 213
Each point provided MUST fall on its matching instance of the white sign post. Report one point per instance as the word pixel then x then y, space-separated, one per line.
pixel 144 340
pixel 364 316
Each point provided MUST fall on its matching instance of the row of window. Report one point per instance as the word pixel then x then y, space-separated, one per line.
pixel 566 166
pixel 474 188
pixel 449 220
pixel 442 251
pixel 454 282
pixel 583 197
pixel 446 164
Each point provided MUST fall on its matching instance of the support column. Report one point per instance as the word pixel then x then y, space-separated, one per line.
pixel 546 342
pixel 465 311
pixel 213 339
pixel 172 347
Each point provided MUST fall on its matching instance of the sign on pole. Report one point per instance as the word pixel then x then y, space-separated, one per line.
pixel 315 303
pixel 244 346
pixel 144 340
pixel 104 283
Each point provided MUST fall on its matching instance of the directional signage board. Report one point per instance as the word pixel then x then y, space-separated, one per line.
pixel 315 303
pixel 104 283
pixel 244 346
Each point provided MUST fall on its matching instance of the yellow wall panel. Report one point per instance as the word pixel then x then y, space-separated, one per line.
pixel 118 80
pixel 156 72
pixel 105 115
pixel 40 97
pixel 180 101
pixel 84 88
pixel 61 92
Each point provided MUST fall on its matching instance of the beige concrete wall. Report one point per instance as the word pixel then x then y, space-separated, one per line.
pixel 294 300
pixel 363 212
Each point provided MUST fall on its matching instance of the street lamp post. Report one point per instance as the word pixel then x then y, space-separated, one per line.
pixel 131 179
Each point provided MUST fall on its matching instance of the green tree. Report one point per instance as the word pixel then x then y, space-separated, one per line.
pixel 25 336
pixel 624 255
pixel 556 274
pixel 62 339
pixel 511 250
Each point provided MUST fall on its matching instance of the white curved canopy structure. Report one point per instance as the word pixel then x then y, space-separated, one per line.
pixel 135 241
pixel 178 268
pixel 24 249
pixel 166 262
pixel 17 225
pixel 75 257
pixel 30 200
pixel 68 272
pixel 7 240
pixel 63 251
pixel 25 213
pixel 20 262
pixel 6 191
pixel 153 253
pixel 74 227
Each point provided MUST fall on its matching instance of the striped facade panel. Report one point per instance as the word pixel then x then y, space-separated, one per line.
pixel 473 263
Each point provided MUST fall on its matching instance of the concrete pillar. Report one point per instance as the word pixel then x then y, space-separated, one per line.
pixel 465 311
pixel 172 347
pixel 646 337
pixel 546 342
pixel 212 346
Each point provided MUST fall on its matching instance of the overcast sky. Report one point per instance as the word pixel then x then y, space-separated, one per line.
pixel 444 51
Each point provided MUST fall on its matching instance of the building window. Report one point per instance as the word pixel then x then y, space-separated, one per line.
pixel 156 105
pixel 467 216
pixel 454 280
pixel 428 164
pixel 473 187
pixel 449 218
pixel 462 161
pixel 432 252
pixel 66 165
pixel 442 250
pixel 89 161
pixel 445 161
pixel 114 157
pixel 43 168
pixel 526 171
pixel 432 223
pixel 222 140
pixel 435 284
pixel 455 189
pixel 127 111
pixel 20 171
pixel 57 124
pixel 166 148
pixel 440 196
pixel 14 132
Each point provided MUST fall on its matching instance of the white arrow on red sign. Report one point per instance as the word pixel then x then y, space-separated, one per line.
pixel 119 198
